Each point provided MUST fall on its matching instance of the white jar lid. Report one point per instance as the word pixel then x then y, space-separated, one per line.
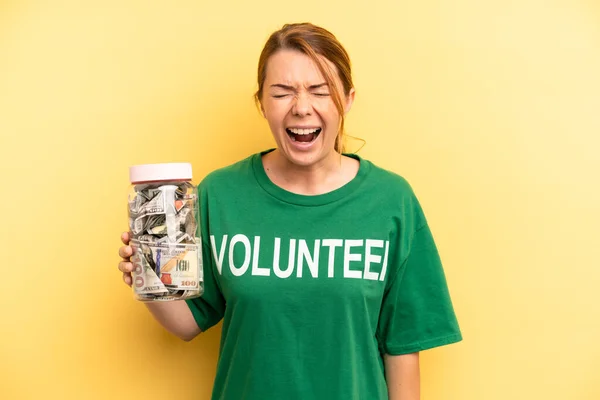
pixel 160 172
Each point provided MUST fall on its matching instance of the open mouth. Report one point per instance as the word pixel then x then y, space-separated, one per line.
pixel 303 135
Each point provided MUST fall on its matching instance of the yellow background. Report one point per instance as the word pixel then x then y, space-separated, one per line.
pixel 491 109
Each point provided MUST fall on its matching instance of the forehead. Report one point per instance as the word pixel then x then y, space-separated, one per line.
pixel 292 67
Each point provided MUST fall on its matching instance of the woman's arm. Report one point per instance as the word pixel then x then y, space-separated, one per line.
pixel 403 376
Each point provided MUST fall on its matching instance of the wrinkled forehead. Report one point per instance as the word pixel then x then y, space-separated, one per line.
pixel 294 68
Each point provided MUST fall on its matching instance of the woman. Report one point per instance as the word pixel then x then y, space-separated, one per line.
pixel 320 263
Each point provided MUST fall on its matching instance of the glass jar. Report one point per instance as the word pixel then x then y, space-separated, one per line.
pixel 163 224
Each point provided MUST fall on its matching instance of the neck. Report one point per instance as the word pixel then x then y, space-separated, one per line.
pixel 324 176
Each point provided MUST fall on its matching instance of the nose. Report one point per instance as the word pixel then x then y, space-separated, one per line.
pixel 302 105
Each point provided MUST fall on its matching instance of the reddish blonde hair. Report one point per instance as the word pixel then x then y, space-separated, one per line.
pixel 317 43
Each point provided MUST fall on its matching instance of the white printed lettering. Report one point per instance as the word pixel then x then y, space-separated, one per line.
pixel 303 254
pixel 303 257
pixel 371 258
pixel 256 270
pixel 348 273
pixel 221 256
pixel 239 238
pixel 385 261
pixel 332 244
pixel 276 268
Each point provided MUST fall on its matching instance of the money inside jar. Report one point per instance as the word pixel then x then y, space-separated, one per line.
pixel 163 211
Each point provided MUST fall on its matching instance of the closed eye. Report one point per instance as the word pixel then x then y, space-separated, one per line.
pixel 279 96
pixel 321 94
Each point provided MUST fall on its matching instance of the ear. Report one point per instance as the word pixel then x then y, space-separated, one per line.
pixel 349 101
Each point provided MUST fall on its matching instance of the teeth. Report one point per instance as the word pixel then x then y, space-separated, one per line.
pixel 303 131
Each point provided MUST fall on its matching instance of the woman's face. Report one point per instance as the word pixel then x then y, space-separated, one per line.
pixel 298 105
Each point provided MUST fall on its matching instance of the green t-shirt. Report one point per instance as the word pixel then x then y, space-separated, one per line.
pixel 313 290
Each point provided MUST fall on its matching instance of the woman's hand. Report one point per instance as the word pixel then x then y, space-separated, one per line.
pixel 125 265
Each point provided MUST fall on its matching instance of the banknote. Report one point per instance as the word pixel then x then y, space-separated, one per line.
pixel 167 254
pixel 166 269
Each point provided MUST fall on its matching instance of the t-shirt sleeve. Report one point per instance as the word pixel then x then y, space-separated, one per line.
pixel 209 308
pixel 417 312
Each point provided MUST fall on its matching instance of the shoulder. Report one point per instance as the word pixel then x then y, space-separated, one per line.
pixel 392 193
pixel 386 182
pixel 230 175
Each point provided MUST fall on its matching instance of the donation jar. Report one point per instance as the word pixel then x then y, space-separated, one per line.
pixel 163 222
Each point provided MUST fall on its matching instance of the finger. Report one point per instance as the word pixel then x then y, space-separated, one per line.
pixel 127 278
pixel 125 252
pixel 125 237
pixel 125 267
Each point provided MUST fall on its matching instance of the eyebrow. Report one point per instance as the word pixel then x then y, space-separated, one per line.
pixel 287 87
